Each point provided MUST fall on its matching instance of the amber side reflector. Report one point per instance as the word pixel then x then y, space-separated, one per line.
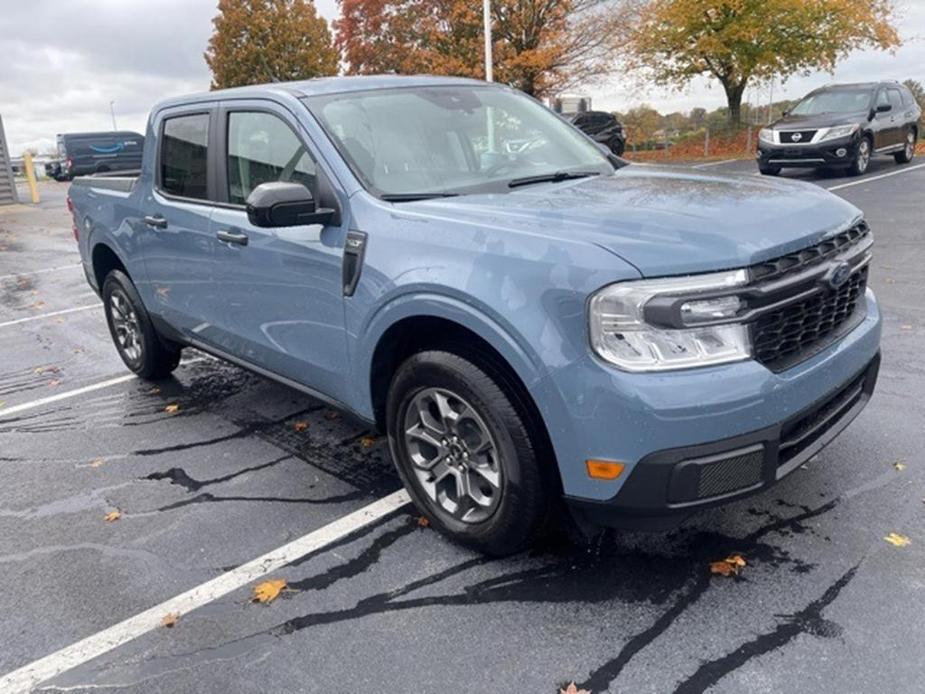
pixel 604 469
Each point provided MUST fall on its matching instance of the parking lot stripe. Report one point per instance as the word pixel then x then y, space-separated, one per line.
pixel 38 272
pixel 716 163
pixel 876 178
pixel 15 409
pixel 27 677
pixel 51 314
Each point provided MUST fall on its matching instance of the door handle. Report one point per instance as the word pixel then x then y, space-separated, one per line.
pixel 156 221
pixel 235 237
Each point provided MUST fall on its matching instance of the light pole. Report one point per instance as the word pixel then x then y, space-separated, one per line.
pixel 112 112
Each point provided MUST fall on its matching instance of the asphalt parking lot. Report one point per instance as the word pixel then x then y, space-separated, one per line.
pixel 216 467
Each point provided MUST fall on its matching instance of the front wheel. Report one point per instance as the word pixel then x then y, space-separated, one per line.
pixel 908 152
pixel 861 159
pixel 465 453
pixel 142 350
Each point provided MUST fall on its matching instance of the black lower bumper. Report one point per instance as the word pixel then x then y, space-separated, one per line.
pixel 826 154
pixel 667 486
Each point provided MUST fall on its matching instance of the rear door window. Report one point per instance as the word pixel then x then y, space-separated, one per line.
pixel 263 148
pixel 184 156
pixel 896 99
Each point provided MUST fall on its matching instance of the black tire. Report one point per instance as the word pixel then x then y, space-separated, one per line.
pixel 523 496
pixel 861 158
pixel 145 353
pixel 908 153
pixel 768 170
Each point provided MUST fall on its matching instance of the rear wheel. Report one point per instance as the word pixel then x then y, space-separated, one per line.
pixel 465 453
pixel 142 350
pixel 908 152
pixel 861 158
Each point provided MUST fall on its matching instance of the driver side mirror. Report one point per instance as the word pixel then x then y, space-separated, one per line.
pixel 282 204
pixel 884 108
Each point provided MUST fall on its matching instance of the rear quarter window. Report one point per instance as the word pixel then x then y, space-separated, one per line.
pixel 184 156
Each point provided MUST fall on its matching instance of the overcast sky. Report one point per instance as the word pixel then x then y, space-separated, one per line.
pixel 63 61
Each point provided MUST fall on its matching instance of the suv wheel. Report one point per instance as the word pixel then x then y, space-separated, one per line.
pixel 133 334
pixel 861 159
pixel 908 152
pixel 465 454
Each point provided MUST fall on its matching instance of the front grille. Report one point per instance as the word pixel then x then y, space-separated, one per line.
pixel 804 136
pixel 795 333
pixel 800 260
pixel 802 314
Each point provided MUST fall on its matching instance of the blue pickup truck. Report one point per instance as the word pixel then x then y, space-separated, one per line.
pixel 535 324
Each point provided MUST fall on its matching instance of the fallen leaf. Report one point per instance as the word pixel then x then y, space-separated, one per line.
pixel 730 566
pixel 368 441
pixel 2 403
pixel 170 619
pixel 112 516
pixel 38 304
pixel 300 426
pixel 54 382
pixel 172 408
pixel 572 688
pixel 268 591
pixel 156 390
pixel 905 327
pixel 97 462
pixel 423 522
pixel 899 466
pixel 898 540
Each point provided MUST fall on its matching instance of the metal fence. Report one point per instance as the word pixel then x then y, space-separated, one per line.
pixel 7 183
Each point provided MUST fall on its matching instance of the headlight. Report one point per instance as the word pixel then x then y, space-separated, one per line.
pixel 621 335
pixel 766 135
pixel 839 131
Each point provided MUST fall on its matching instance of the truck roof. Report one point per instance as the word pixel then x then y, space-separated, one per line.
pixel 321 86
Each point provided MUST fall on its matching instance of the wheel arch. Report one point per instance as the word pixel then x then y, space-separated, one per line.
pixel 103 260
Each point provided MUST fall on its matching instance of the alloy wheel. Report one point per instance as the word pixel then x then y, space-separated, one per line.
pixel 125 325
pixel 863 155
pixel 910 145
pixel 453 454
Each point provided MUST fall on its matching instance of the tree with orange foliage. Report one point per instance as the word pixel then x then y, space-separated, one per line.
pixel 738 41
pixel 268 41
pixel 539 46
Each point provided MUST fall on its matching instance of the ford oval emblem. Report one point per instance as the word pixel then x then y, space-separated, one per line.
pixel 838 275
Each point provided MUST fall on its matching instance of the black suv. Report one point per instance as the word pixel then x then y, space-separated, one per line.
pixel 603 127
pixel 842 126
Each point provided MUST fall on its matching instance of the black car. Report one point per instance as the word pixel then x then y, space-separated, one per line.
pixel 842 126
pixel 603 127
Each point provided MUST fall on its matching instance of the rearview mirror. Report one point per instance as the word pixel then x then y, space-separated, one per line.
pixel 281 204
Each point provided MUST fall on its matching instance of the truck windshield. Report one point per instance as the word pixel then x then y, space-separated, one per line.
pixel 419 142
pixel 836 101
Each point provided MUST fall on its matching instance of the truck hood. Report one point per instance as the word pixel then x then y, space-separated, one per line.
pixel 663 220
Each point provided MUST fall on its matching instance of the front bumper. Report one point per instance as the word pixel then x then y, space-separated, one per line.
pixel 667 486
pixel 815 155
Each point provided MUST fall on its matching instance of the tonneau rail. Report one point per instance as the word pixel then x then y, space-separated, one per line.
pixel 118 181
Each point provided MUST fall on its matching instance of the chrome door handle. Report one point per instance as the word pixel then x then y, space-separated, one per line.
pixel 235 237
pixel 156 221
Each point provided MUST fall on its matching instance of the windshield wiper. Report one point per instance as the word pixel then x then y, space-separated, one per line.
pixel 551 178
pixel 411 197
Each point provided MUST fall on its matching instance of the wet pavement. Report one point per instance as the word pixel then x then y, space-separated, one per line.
pixel 243 466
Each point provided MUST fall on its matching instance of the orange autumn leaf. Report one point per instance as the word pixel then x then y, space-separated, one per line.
pixel 268 591
pixel 172 408
pixel 368 441
pixel 97 462
pixel 300 426
pixel 170 619
pixel 730 566
pixel 572 688
pixel 112 516
pixel 423 522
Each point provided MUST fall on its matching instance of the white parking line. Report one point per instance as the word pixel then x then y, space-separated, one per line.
pixel 38 272
pixel 50 314
pixel 876 178
pixel 25 678
pixel 15 409
pixel 716 163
